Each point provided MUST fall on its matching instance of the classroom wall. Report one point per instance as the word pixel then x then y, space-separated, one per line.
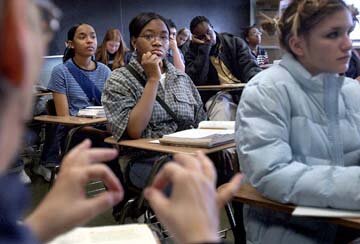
pixel 225 15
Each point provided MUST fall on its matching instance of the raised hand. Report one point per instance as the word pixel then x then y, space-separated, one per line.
pixel 66 205
pixel 197 41
pixel 151 63
pixel 191 213
pixel 172 43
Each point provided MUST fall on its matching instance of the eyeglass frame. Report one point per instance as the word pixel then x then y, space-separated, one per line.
pixel 50 14
pixel 152 38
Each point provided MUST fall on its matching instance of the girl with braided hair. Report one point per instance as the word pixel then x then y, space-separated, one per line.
pixel 298 127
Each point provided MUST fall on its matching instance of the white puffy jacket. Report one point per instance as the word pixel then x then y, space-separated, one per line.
pixel 298 141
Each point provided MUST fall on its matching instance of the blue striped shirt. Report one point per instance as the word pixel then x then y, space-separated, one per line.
pixel 63 82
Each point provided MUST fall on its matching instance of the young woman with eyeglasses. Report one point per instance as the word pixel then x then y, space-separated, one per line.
pixel 131 107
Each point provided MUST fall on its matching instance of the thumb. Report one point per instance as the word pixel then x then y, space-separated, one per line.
pixel 227 192
pixel 101 202
pixel 158 202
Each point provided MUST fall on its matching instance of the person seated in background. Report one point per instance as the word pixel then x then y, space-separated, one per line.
pixel 175 55
pixel 252 36
pixel 298 127
pixel 79 73
pixel 77 84
pixel 354 64
pixel 183 39
pixel 113 51
pixel 194 197
pixel 214 59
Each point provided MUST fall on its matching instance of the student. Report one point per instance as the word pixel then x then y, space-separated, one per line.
pixel 354 65
pixel 298 127
pixel 175 56
pixel 79 81
pixel 76 84
pixel 81 165
pixel 131 107
pixel 79 72
pixel 252 36
pixel 113 51
pixel 214 59
pixel 183 39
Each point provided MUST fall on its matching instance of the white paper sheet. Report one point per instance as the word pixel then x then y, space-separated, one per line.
pixel 155 142
pixel 225 125
pixel 199 133
pixel 128 234
pixel 325 212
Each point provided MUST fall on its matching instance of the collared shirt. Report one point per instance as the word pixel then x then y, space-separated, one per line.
pixel 123 91
pixel 261 55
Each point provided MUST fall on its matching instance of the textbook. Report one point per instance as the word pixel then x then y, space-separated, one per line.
pixel 128 234
pixel 209 134
pixel 92 112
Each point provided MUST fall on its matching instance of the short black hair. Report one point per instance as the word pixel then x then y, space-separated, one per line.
pixel 197 20
pixel 171 23
pixel 70 52
pixel 72 31
pixel 247 31
pixel 141 20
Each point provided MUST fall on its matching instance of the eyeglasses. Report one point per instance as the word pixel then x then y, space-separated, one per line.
pixel 151 38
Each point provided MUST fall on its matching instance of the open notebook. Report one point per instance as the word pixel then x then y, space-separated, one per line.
pixel 128 234
pixel 208 135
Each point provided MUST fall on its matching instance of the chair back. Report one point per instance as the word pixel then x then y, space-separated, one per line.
pixel 50 107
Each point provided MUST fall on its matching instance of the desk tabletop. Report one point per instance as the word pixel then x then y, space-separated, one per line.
pixel 39 94
pixel 249 195
pixel 69 120
pixel 145 144
pixel 229 87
